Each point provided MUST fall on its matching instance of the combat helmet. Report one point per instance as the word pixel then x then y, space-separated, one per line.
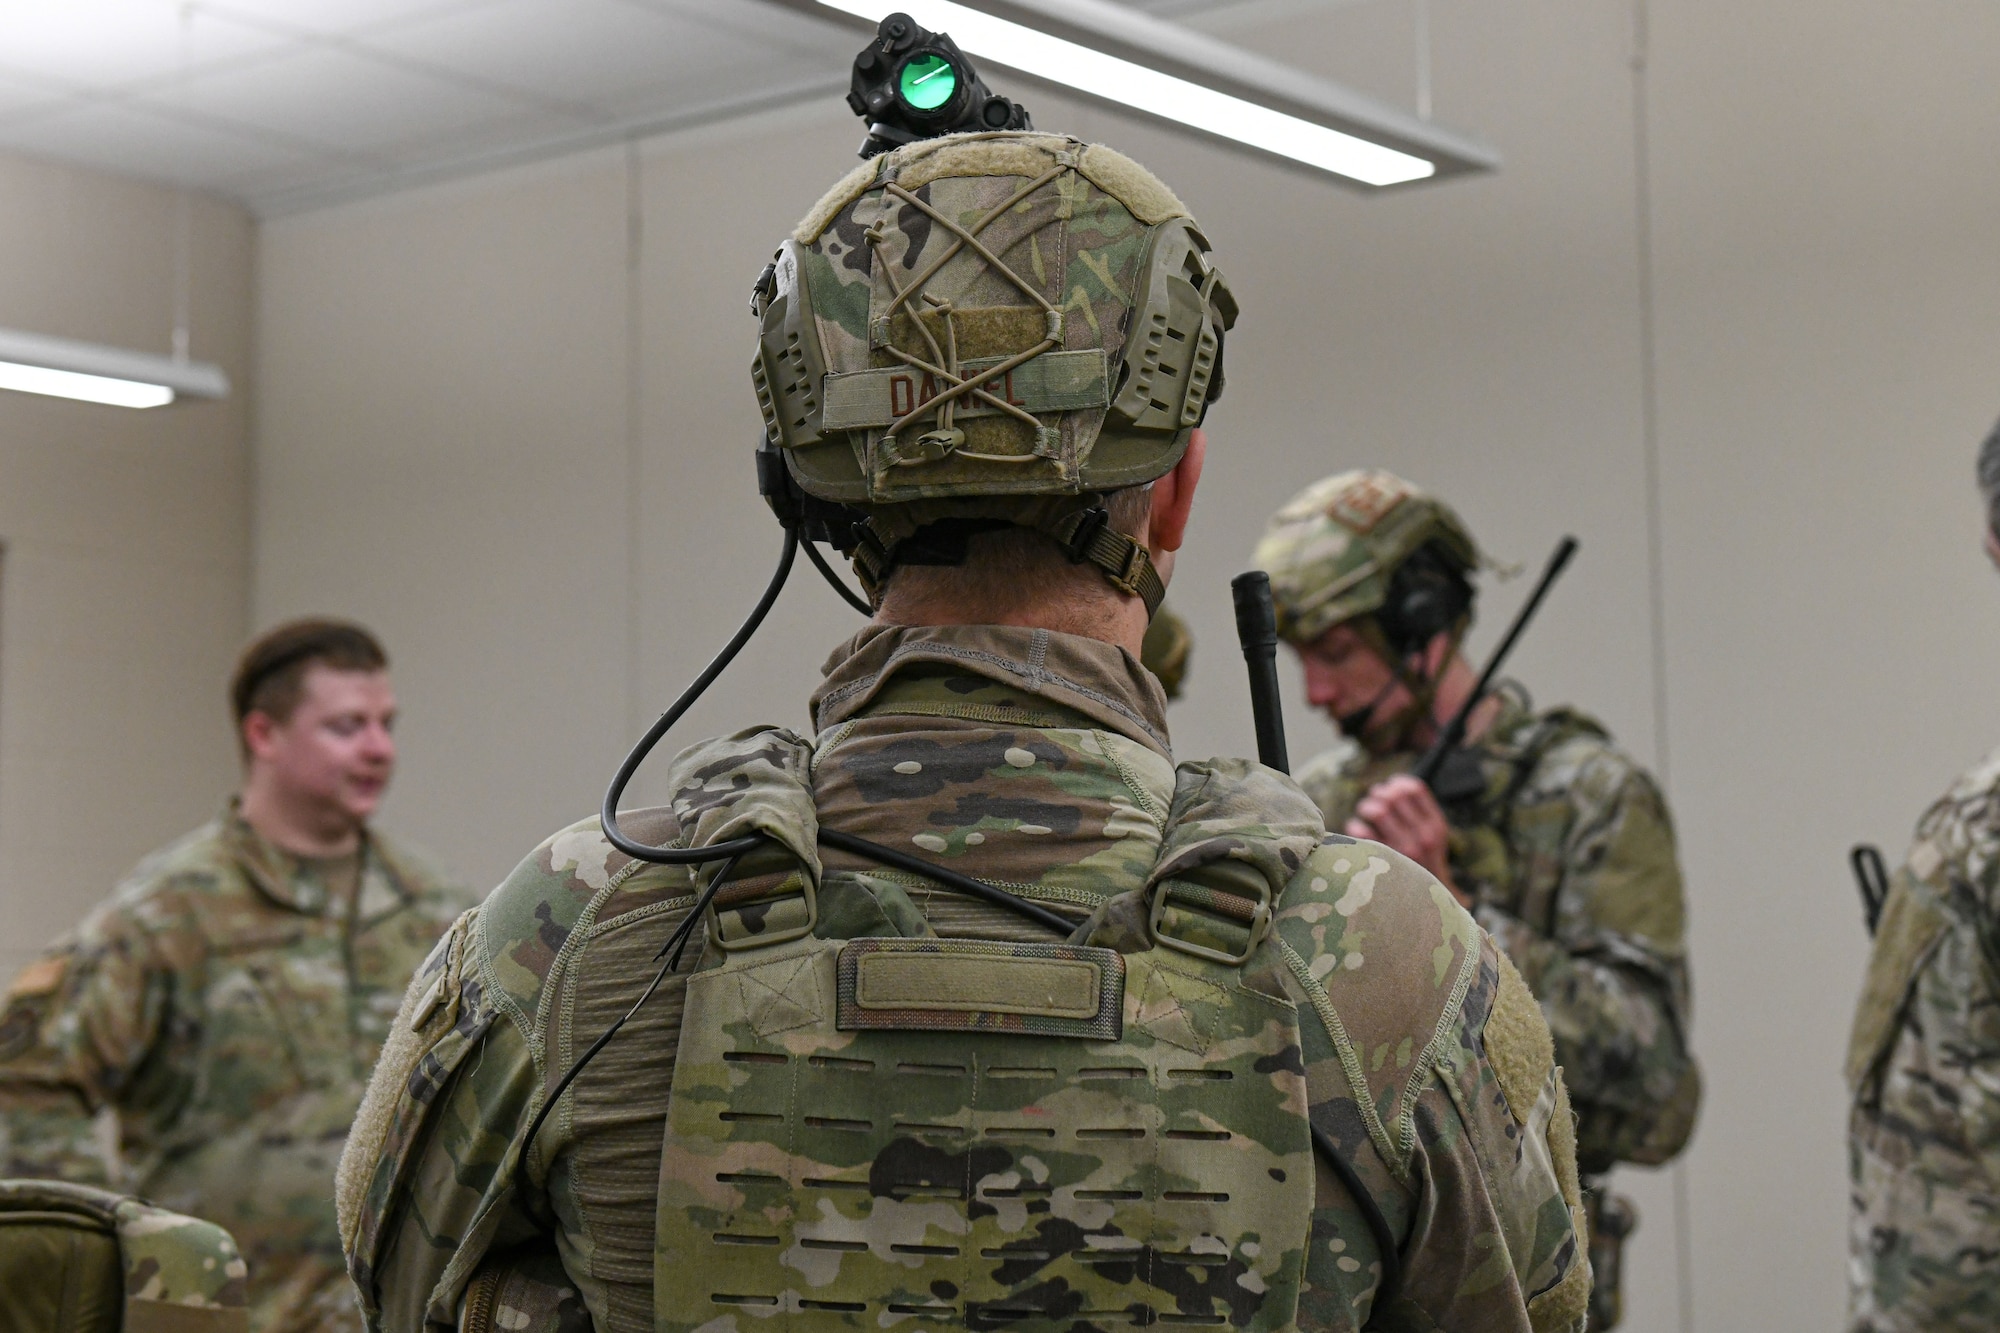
pixel 984 330
pixel 1334 548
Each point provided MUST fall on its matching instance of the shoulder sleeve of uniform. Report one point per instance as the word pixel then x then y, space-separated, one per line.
pixel 1621 873
pixel 77 1022
pixel 427 1168
pixel 1500 1240
pixel 1384 956
pixel 525 924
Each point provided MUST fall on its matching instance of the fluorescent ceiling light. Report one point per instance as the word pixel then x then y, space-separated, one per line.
pixel 1130 60
pixel 62 368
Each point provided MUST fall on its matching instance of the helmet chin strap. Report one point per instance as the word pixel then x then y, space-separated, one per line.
pixel 1422 688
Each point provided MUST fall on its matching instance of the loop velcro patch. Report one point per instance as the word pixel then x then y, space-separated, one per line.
pixel 931 985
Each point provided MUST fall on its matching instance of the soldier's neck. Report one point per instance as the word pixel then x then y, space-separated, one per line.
pixel 1111 617
pixel 295 823
pixel 1452 691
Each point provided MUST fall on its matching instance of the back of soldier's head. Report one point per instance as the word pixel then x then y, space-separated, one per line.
pixel 984 336
pixel 1368 545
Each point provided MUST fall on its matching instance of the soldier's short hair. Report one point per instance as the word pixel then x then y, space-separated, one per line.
pixel 270 675
pixel 1989 478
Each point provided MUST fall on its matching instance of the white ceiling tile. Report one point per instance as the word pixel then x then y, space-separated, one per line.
pixel 331 17
pixel 128 141
pixel 101 44
pixel 579 51
pixel 20 96
pixel 341 100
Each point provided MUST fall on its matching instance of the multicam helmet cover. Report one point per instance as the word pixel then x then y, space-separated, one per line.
pixel 1333 547
pixel 992 326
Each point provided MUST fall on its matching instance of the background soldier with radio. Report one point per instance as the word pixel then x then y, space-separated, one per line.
pixel 1924 1064
pixel 224 1006
pixel 1139 1067
pixel 1558 842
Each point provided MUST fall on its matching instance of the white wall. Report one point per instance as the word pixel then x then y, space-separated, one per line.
pixel 125 585
pixel 508 422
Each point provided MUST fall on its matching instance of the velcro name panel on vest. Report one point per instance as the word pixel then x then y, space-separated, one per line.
pixel 860 1138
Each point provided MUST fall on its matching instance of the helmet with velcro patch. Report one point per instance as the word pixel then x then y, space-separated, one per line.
pixel 986 330
pixel 1333 550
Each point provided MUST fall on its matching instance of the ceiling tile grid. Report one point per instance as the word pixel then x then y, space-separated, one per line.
pixel 284 104
pixel 287 105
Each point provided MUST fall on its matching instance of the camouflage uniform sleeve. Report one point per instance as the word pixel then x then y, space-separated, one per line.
pixel 79 1021
pixel 1924 1064
pixel 1431 1070
pixel 428 1181
pixel 1612 978
pixel 436 1198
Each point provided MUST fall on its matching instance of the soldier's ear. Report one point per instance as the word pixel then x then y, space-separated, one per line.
pixel 259 734
pixel 1173 496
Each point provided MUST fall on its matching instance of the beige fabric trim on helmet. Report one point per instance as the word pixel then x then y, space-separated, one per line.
pixel 1144 195
pixel 844 192
pixel 1006 153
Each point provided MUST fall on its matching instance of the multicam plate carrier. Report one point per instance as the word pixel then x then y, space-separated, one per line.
pixel 919 1133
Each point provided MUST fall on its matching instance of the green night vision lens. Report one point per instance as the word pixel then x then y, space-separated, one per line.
pixel 927 82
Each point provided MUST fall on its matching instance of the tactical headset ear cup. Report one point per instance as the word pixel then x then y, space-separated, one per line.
pixel 1427 595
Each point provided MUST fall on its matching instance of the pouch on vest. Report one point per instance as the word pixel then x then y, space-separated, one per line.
pixel 80 1260
pixel 921 1133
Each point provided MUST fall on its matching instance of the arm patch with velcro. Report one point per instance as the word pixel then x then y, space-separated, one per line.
pixel 1518 1042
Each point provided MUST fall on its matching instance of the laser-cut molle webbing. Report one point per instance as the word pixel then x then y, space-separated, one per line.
pixel 980 1178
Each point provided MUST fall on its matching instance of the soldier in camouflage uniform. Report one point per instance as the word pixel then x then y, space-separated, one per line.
pixel 1557 841
pixel 219 1014
pixel 1924 1065
pixel 1243 1073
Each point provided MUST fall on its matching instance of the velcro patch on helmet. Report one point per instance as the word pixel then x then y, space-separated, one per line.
pixel 1369 500
pixel 1051 382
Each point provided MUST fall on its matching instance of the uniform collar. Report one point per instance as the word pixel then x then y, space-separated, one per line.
pixel 276 873
pixel 1099 680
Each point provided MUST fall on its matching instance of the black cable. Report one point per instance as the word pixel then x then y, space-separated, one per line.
pixel 678 856
pixel 680 937
pixel 951 879
pixel 1371 1213
pixel 835 582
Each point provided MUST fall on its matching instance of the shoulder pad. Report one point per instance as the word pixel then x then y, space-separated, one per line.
pixel 1241 812
pixel 1385 956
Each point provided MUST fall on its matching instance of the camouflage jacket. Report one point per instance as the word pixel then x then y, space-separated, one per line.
pixel 1037 761
pixel 222 1010
pixel 1924 1067
pixel 1567 851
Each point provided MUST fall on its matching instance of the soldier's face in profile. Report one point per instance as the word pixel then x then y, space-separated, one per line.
pixel 1348 681
pixel 337 750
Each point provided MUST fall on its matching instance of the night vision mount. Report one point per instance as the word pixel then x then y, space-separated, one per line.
pixel 910 84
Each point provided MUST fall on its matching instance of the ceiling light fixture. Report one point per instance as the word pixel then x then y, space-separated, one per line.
pixel 1129 60
pixel 62 368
